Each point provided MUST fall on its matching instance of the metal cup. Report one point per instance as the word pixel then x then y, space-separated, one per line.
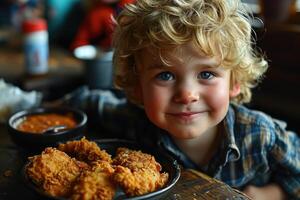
pixel 98 66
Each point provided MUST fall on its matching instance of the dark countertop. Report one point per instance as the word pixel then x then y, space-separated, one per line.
pixel 11 164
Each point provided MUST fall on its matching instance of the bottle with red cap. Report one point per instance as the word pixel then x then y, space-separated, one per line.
pixel 36 48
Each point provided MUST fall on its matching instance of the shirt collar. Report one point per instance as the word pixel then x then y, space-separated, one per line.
pixel 232 151
pixel 167 143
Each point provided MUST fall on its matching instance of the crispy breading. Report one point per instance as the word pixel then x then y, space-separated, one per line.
pixel 54 171
pixel 59 175
pixel 85 150
pixel 137 172
pixel 96 183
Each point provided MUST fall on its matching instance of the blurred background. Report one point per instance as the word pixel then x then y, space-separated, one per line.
pixel 276 27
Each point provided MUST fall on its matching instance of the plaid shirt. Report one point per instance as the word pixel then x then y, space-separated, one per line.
pixel 256 149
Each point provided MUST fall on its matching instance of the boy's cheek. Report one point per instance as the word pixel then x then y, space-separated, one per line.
pixel 218 101
pixel 155 102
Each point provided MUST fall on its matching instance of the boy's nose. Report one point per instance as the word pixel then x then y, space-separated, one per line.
pixel 186 96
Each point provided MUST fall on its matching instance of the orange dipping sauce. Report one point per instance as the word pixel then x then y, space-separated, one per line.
pixel 39 123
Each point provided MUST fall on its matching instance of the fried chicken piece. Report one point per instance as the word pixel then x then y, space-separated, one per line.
pixel 137 173
pixel 96 183
pixel 54 171
pixel 85 150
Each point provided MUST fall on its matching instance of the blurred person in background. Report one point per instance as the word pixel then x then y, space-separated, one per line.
pixel 98 24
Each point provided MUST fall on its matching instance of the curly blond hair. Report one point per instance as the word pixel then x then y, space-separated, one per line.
pixel 217 27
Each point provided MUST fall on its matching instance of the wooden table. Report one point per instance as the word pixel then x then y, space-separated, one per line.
pixel 192 184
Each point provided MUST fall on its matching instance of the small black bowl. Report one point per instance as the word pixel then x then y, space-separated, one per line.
pixel 37 141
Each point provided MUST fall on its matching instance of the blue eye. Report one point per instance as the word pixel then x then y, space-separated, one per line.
pixel 165 76
pixel 205 75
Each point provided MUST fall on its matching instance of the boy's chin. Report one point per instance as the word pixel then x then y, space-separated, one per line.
pixel 184 135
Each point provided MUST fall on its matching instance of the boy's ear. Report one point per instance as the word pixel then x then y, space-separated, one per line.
pixel 235 90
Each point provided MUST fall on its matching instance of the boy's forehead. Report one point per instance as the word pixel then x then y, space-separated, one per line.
pixel 149 52
pixel 148 56
pixel 181 53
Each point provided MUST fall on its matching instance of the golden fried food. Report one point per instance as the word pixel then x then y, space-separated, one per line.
pixel 85 150
pixel 98 178
pixel 54 171
pixel 95 183
pixel 137 172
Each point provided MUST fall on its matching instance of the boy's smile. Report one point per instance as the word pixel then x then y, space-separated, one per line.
pixel 185 117
pixel 187 94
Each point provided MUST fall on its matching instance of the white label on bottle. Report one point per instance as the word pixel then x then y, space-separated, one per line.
pixel 36 54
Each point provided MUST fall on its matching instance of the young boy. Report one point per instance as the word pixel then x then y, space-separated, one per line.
pixel 190 65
